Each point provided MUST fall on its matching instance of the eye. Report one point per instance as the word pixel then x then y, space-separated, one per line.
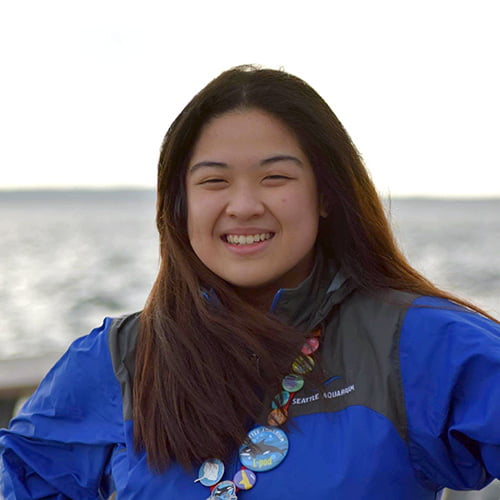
pixel 276 179
pixel 277 176
pixel 212 183
pixel 214 180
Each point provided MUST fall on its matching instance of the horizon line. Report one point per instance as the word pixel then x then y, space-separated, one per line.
pixel 144 188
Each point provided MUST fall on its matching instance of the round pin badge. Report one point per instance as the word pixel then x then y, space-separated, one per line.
pixel 280 400
pixel 277 417
pixel 311 345
pixel 225 490
pixel 263 449
pixel 292 382
pixel 245 479
pixel 210 472
pixel 303 365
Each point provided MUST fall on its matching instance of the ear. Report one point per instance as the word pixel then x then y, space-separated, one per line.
pixel 324 206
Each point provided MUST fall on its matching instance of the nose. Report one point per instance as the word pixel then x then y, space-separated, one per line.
pixel 245 203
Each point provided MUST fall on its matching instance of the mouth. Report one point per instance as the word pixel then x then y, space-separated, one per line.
pixel 246 239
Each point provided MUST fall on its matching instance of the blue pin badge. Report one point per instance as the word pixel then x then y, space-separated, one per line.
pixel 245 479
pixel 225 490
pixel 210 472
pixel 264 448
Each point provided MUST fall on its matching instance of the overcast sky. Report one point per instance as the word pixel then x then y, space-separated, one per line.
pixel 88 88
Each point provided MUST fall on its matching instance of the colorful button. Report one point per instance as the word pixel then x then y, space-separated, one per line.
pixel 245 479
pixel 303 365
pixel 311 345
pixel 277 417
pixel 225 490
pixel 280 399
pixel 292 382
pixel 264 448
pixel 211 472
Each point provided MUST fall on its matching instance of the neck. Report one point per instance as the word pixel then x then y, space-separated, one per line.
pixel 261 297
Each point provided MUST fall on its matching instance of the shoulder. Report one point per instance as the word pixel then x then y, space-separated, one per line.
pixel 87 359
pixel 430 321
pixel 410 315
pixel 441 341
pixel 86 362
pixel 82 386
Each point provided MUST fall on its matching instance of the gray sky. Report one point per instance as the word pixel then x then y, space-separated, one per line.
pixel 88 88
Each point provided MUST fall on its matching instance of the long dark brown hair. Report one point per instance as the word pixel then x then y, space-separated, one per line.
pixel 196 385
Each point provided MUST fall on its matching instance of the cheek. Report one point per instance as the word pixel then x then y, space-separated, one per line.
pixel 202 215
pixel 299 215
pixel 298 207
pixel 194 218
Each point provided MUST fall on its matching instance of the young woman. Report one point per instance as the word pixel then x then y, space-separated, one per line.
pixel 287 349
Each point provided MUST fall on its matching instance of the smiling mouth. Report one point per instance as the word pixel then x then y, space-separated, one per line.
pixel 246 239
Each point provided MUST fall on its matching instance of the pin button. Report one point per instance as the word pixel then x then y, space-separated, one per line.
pixel 277 417
pixel 292 382
pixel 225 490
pixel 245 479
pixel 311 345
pixel 280 400
pixel 211 472
pixel 303 365
pixel 264 448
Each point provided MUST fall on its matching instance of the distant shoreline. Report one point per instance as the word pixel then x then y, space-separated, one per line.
pixel 7 194
pixel 76 194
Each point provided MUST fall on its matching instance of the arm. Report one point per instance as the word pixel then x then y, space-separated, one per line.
pixel 450 365
pixel 59 445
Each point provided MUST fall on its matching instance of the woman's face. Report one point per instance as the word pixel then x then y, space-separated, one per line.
pixel 252 201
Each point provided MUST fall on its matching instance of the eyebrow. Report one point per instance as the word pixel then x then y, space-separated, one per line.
pixel 274 159
pixel 262 163
pixel 200 164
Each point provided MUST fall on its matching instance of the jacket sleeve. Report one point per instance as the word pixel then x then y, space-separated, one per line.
pixel 450 366
pixel 59 445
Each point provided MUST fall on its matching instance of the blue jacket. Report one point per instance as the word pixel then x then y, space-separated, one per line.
pixel 410 405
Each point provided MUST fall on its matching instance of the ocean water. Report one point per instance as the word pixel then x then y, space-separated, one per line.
pixel 68 259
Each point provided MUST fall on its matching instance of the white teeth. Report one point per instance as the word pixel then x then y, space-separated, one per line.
pixel 247 239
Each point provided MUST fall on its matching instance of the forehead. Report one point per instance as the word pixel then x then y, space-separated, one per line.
pixel 253 133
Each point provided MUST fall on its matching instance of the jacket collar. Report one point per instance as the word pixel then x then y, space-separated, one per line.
pixel 307 305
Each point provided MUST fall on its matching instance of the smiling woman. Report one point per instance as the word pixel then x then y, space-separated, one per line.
pixel 252 214
pixel 287 349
